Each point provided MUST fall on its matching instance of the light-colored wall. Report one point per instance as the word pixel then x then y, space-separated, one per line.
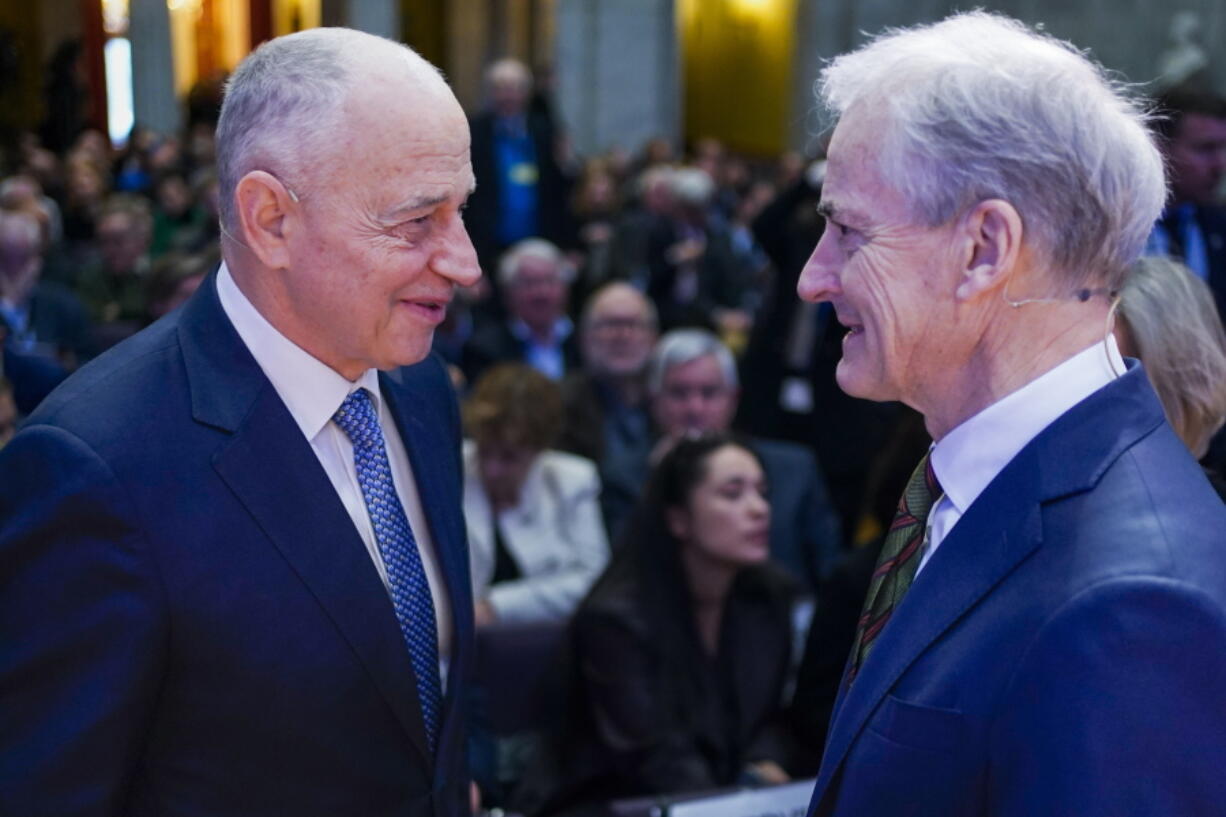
pixel 1127 36
pixel 617 72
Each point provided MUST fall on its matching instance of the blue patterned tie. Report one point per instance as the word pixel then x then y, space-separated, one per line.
pixel 410 591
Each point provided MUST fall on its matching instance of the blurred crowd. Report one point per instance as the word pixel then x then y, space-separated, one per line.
pixel 663 480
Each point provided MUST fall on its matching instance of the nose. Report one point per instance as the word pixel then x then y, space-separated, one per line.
pixel 819 280
pixel 455 258
pixel 759 504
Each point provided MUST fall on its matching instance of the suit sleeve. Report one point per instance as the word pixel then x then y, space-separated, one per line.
pixel 1117 707
pixel 82 617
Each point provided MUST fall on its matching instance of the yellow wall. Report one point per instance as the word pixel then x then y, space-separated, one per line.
pixel 736 68
pixel 289 16
pixel 183 16
pixel 21 95
pixel 233 18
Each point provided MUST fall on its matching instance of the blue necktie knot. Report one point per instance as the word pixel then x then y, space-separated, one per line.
pixel 406 575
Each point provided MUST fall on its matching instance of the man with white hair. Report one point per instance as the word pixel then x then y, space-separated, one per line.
pixel 235 576
pixel 534 277
pixel 693 387
pixel 1046 629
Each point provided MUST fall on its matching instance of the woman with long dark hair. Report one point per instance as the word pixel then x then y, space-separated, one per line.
pixel 681 650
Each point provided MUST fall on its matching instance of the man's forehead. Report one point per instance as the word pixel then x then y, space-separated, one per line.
pixel 620 302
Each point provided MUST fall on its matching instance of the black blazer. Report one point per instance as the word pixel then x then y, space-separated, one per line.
pixel 554 221
pixel 651 712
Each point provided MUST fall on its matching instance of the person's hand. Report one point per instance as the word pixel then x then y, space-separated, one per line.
pixel 484 614
pixel 768 772
pixel 474 797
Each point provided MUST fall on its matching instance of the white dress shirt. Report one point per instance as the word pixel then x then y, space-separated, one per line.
pixel 968 458
pixel 313 391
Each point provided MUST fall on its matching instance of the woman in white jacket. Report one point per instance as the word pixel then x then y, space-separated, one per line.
pixel 535 534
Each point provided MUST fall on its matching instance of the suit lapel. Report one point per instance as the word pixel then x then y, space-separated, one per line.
pixel 997 533
pixel 428 433
pixel 1002 528
pixel 273 472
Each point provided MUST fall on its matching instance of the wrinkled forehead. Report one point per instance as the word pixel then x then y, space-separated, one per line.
pixel 857 144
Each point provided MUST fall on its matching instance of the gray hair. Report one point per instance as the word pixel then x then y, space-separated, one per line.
pixel 692 186
pixel 513 259
pixel 1174 327
pixel 979 107
pixel 509 70
pixel 681 346
pixel 283 103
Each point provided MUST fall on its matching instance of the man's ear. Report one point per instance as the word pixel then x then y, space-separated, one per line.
pixel 993 233
pixel 265 212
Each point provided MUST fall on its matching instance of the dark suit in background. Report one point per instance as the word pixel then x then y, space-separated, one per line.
pixel 552 217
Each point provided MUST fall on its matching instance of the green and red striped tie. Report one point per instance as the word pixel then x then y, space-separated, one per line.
pixel 899 559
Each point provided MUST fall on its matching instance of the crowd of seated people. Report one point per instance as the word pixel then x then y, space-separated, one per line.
pixel 535 537
pixel 96 244
pixel 631 304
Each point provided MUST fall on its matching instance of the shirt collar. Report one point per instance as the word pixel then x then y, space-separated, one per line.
pixel 968 458
pixel 562 328
pixel 310 389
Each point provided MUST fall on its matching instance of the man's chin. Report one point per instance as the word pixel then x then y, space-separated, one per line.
pixel 855 383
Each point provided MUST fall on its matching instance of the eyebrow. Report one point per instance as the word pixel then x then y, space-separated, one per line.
pixel 421 203
pixel 840 215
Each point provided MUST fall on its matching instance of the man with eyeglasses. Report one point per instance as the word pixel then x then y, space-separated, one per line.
pixel 234 570
pixel 1045 631
pixel 692 387
pixel 606 399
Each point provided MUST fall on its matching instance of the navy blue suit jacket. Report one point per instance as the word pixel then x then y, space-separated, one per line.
pixel 1064 650
pixel 191 623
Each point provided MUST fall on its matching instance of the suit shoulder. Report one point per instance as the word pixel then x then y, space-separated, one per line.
pixel 120 387
pixel 1153 513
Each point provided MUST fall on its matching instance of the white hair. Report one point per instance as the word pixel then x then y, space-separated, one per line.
pixel 692 186
pixel 979 106
pixel 509 71
pixel 513 259
pixel 282 106
pixel 681 346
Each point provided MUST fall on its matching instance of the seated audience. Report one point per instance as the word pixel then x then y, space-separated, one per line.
pixel 535 536
pixel 534 279
pixel 1167 319
pixel 174 277
pixel 681 651
pixel 114 287
pixel 606 400
pixel 696 278
pixel 692 386
pixel 42 317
